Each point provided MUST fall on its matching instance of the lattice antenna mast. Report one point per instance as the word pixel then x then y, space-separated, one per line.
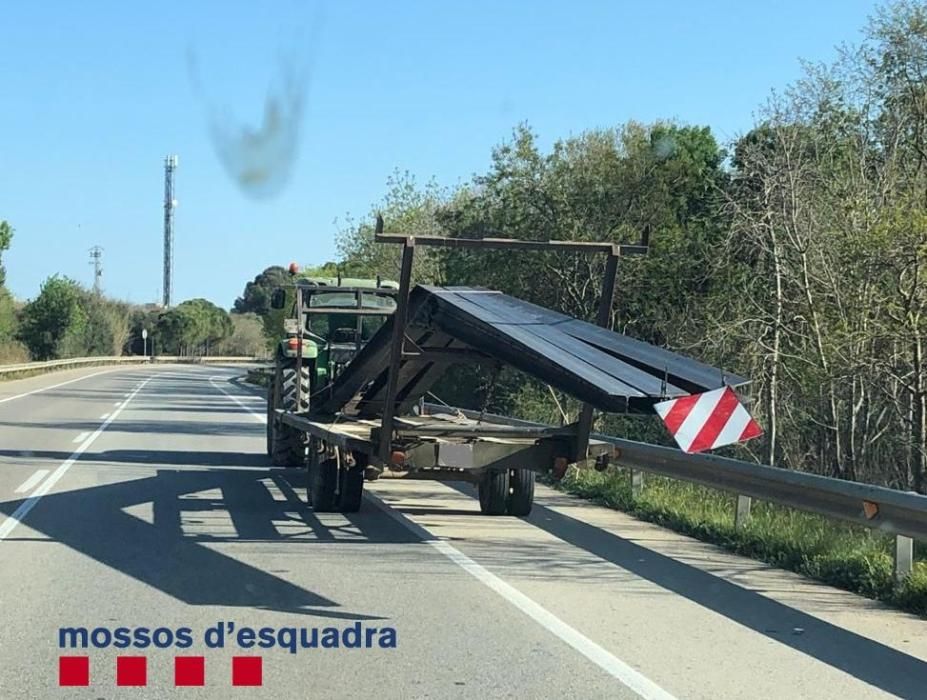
pixel 170 203
pixel 96 259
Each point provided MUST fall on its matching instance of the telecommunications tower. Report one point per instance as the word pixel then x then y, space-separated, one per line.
pixel 170 165
pixel 96 259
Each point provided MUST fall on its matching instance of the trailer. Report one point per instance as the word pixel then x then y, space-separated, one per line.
pixel 370 420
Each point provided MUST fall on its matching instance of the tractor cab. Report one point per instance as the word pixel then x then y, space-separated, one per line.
pixel 330 320
pixel 340 316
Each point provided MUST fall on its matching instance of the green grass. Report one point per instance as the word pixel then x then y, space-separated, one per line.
pixel 840 554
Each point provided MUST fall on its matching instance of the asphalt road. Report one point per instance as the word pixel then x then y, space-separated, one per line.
pixel 141 498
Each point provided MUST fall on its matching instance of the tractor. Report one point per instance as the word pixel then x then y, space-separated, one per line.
pixel 330 320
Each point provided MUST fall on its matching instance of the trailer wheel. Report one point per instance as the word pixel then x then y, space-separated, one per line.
pixel 521 498
pixel 323 478
pixel 287 444
pixel 494 492
pixel 351 489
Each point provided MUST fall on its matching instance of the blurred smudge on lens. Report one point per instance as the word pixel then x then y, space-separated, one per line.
pixel 259 157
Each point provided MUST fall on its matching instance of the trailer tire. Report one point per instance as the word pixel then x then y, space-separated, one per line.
pixel 521 499
pixel 350 489
pixel 286 443
pixel 494 492
pixel 323 478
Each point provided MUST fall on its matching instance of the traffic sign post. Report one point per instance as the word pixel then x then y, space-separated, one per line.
pixel 144 342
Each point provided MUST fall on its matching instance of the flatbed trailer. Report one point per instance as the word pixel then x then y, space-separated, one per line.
pixel 371 421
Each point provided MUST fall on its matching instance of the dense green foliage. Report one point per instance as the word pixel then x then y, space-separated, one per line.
pixel 247 338
pixel 796 256
pixel 190 328
pixel 11 350
pixel 256 299
pixel 51 322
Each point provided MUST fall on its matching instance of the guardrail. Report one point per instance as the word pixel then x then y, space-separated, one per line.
pixel 126 359
pixel 899 513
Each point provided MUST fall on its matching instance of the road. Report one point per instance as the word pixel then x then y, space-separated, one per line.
pixel 141 497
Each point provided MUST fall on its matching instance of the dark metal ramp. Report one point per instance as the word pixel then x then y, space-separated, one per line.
pixel 605 369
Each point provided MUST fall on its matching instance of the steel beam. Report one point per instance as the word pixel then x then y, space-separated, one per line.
pixel 606 301
pixel 400 318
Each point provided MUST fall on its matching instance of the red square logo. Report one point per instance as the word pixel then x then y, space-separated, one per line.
pixel 189 670
pixel 247 670
pixel 131 670
pixel 73 670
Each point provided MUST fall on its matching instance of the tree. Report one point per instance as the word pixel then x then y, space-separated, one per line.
pixel 192 327
pixel 256 297
pixel 53 319
pixel 6 235
pixel 247 338
pixel 105 330
pixel 406 208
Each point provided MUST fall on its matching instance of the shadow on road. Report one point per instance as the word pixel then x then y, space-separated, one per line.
pixel 865 659
pixel 161 554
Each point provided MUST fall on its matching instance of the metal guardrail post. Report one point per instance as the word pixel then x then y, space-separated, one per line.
pixel 904 557
pixel 742 511
pixel 637 483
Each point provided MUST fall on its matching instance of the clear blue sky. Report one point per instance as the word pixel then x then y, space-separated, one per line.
pixel 94 94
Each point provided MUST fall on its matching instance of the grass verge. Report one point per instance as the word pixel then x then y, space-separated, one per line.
pixel 840 554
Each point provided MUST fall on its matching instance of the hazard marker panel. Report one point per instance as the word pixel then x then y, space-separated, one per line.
pixel 706 421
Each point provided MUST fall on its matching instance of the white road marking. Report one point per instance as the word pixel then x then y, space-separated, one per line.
pixel 81 437
pixel 260 417
pixel 32 481
pixel 106 415
pixel 117 404
pixel 17 517
pixel 55 386
pixel 608 662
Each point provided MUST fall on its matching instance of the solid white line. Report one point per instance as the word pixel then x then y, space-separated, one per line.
pixel 260 417
pixel 32 481
pixel 17 517
pixel 55 386
pixel 608 662
pixel 81 437
pixel 106 415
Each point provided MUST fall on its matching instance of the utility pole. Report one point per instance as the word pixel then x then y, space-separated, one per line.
pixel 170 164
pixel 96 259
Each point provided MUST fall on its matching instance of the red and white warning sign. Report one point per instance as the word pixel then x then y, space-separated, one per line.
pixel 705 421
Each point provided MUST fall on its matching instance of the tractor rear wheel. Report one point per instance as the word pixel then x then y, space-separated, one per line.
pixel 290 391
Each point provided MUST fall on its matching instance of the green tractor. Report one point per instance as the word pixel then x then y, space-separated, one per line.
pixel 331 319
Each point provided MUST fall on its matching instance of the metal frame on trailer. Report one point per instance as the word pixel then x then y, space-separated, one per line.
pixel 613 251
pixel 355 419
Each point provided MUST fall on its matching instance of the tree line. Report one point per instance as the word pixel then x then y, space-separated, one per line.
pixel 66 319
pixel 796 255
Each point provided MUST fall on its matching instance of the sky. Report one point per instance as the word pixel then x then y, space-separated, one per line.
pixel 94 95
